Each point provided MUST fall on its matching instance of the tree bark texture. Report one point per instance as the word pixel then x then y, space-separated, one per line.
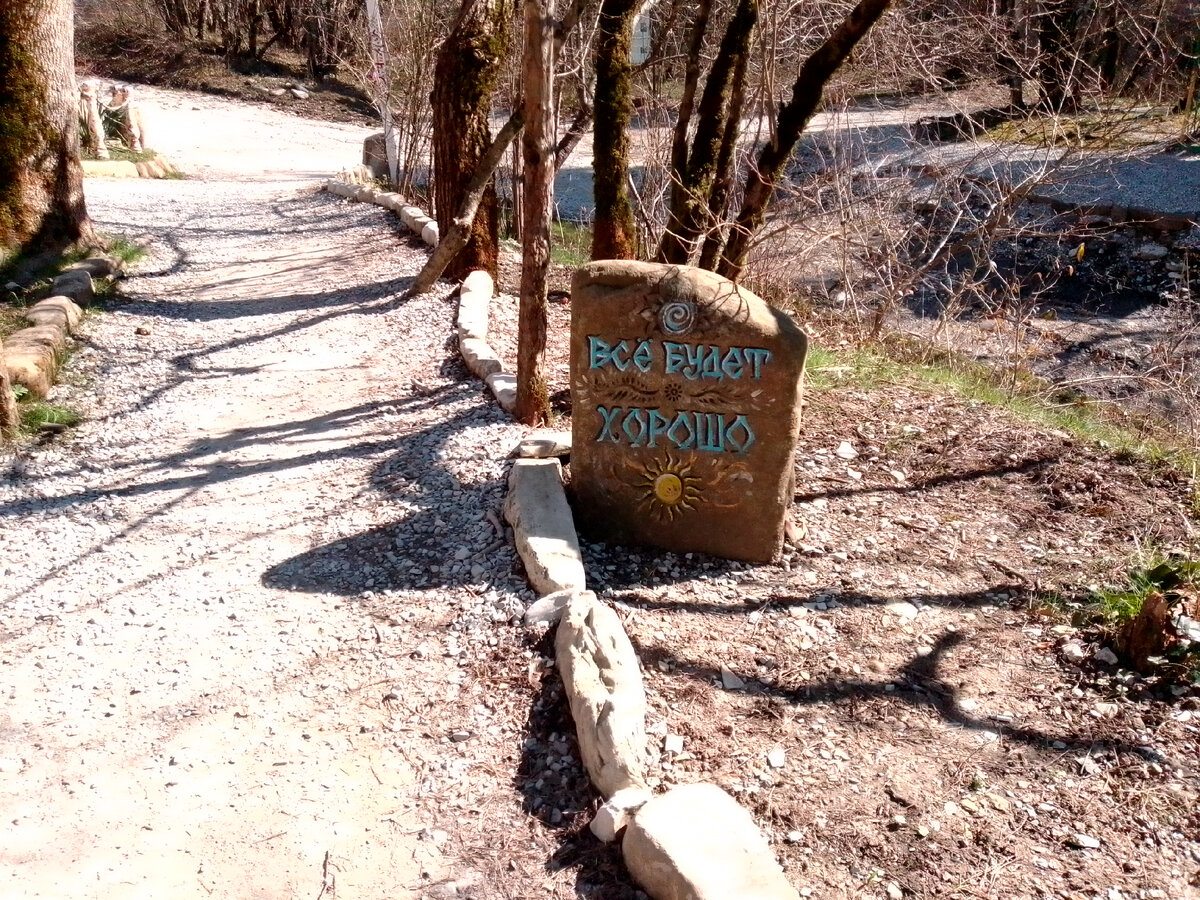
pixel 718 197
pixel 614 234
pixel 456 238
pixel 792 120
pixel 692 186
pixel 41 180
pixel 465 77
pixel 687 99
pixel 533 399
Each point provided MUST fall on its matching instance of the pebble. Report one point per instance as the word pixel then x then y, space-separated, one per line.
pixel 1105 657
pixel 730 681
pixel 777 758
pixel 845 450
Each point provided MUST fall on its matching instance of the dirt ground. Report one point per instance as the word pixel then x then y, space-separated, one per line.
pixel 903 658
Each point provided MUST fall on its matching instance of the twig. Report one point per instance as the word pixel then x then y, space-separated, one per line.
pixel 325 879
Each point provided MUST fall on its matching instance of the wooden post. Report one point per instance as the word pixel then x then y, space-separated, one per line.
pixel 533 401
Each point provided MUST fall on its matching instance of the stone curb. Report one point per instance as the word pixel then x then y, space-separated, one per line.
pixel 158 167
pixel 697 842
pixel 544 530
pixel 351 185
pixel 603 682
pixel 31 355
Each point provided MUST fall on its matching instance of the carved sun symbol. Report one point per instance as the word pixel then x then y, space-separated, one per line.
pixel 671 488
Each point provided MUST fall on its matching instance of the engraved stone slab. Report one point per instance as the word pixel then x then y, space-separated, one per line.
pixel 685 394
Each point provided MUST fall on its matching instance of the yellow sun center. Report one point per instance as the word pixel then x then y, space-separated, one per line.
pixel 668 488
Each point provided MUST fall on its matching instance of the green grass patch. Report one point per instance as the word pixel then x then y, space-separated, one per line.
pixel 124 249
pixel 1023 395
pixel 38 416
pixel 124 154
pixel 1110 129
pixel 570 243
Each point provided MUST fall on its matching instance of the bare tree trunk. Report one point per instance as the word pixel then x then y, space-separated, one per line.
pixel 792 120
pixel 533 400
pixel 718 198
pixel 517 230
pixel 41 180
pixel 574 134
pixel 460 230
pixel 687 99
pixel 614 233
pixel 690 192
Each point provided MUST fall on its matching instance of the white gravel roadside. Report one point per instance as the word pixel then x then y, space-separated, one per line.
pixel 190 656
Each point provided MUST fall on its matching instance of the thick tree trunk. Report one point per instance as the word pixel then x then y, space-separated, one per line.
pixel 465 77
pixel 792 120
pixel 451 242
pixel 41 181
pixel 691 188
pixel 533 400
pixel 614 234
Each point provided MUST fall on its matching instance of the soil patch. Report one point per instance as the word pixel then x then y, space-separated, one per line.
pixel 901 717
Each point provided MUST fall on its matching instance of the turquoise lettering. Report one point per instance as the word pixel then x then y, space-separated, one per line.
pixel 710 432
pixel 610 419
pixel 681 443
pixel 643 357
pixel 637 416
pixel 733 362
pixel 599 352
pixel 676 357
pixel 739 446
pixel 758 358
pixel 658 427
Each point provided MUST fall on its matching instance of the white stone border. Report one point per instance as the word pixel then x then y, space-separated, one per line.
pixel 32 355
pixel 348 185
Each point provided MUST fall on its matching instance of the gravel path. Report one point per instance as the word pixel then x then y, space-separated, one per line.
pixel 219 595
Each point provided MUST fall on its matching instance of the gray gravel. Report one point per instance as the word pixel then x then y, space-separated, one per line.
pixel 279 460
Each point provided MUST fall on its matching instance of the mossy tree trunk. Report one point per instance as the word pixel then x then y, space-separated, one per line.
pixel 791 121
pixel 687 105
pixel 465 77
pixel 614 234
pixel 692 186
pixel 41 180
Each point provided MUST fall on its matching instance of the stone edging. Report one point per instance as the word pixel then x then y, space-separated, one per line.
pixel 412 217
pixel 32 355
pixel 157 167
pixel 695 841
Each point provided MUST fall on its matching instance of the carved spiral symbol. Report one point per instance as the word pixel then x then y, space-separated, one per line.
pixel 677 317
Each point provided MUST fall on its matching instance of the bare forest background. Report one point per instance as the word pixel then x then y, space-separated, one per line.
pixel 897 215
